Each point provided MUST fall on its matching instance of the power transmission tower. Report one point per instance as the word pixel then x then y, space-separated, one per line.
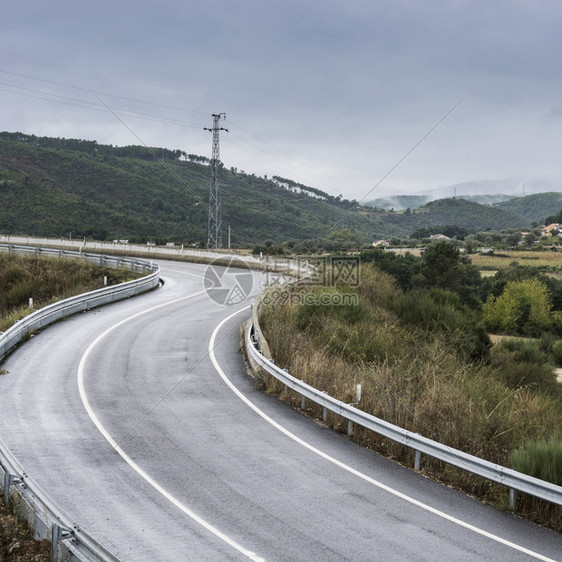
pixel 214 232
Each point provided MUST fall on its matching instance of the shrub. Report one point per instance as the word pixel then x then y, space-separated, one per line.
pixel 528 351
pixel 439 310
pixel 313 313
pixel 17 295
pixel 547 340
pixel 557 352
pixel 520 363
pixel 13 274
pixel 541 459
pixel 523 308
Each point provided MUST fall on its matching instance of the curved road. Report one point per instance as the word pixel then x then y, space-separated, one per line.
pixel 140 420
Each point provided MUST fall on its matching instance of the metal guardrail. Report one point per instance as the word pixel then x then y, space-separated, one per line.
pixel 52 246
pixel 515 481
pixel 47 518
pixel 54 312
pixel 50 521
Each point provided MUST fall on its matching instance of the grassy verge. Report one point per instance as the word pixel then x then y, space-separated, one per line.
pixel 47 280
pixel 424 366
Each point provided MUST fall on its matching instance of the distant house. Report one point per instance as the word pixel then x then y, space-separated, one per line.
pixel 550 230
pixel 435 237
pixel 380 243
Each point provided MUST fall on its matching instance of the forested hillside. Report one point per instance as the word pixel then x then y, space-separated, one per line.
pixel 534 207
pixel 68 187
pixel 467 214
pixel 459 213
pixel 63 187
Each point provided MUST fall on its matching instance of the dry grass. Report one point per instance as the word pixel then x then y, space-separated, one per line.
pixel 413 379
pixel 530 258
pixel 47 280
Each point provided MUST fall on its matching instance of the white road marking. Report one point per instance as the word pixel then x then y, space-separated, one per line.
pixel 190 513
pixel 353 470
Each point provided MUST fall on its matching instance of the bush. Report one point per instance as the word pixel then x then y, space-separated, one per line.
pixel 528 351
pixel 522 309
pixel 540 459
pixel 439 309
pixel 314 313
pixel 557 353
pixel 518 374
pixel 521 363
pixel 547 340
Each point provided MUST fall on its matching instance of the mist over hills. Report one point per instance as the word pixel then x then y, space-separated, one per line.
pixel 485 192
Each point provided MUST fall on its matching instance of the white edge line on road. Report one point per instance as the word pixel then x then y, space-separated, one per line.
pixel 353 470
pixel 131 462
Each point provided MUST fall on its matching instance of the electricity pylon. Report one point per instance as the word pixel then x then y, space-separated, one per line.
pixel 214 231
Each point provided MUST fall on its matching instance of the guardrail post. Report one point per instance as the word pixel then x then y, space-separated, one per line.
pixel 9 479
pixel 512 499
pixel 303 402
pixel 349 427
pixel 7 483
pixel 57 534
pixel 417 460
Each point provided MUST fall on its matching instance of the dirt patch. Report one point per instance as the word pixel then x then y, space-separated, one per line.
pixel 16 540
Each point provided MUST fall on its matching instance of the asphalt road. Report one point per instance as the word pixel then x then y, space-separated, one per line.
pixel 158 444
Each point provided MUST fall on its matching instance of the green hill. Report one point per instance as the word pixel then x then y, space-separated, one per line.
pixel 468 214
pixel 62 187
pixel 460 213
pixel 534 207
pixel 68 187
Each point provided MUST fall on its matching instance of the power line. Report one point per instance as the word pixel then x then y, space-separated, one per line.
pixel 420 141
pixel 84 104
pixel 98 92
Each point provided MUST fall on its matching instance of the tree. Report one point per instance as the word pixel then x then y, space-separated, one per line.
pixel 524 308
pixel 441 265
pixel 513 239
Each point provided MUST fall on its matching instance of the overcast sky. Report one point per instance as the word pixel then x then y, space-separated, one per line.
pixel 358 97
